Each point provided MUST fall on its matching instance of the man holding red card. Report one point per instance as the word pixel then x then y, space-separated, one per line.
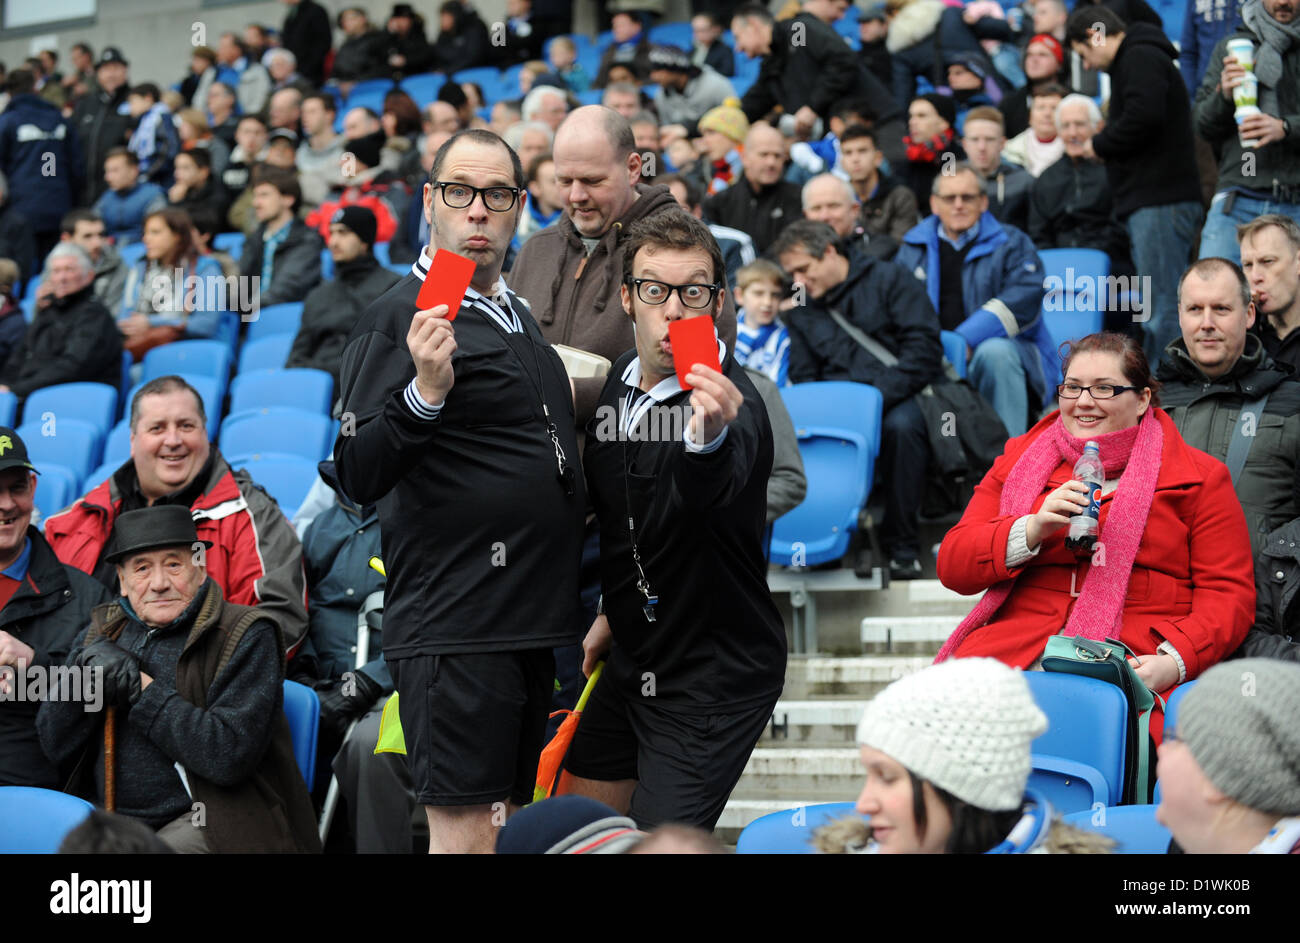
pixel 677 459
pixel 464 437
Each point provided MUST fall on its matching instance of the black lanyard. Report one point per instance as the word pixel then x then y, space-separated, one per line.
pixel 564 469
pixel 642 583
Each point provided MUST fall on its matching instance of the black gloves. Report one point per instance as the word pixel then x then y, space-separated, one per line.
pixel 120 671
pixel 343 701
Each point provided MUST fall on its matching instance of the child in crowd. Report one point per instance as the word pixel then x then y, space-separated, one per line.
pixel 762 342
pixel 722 131
pixel 563 56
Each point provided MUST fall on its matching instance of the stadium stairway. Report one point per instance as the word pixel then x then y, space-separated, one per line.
pixel 808 753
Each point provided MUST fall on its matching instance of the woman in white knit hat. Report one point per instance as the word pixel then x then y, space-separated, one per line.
pixel 1230 772
pixel 946 752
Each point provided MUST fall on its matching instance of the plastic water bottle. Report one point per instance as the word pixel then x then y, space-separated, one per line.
pixel 1082 534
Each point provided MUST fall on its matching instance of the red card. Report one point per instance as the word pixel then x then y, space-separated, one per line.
pixel 448 279
pixel 693 342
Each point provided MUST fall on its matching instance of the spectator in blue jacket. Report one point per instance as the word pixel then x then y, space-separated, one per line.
pixel 41 156
pixel 155 140
pixel 985 280
pixel 127 200
pixel 1204 24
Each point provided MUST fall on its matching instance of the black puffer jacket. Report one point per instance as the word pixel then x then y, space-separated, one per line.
pixel 1071 207
pixel 465 46
pixel 885 302
pixel 1277 577
pixel 332 310
pixel 361 57
pixel 49 613
pixel 72 340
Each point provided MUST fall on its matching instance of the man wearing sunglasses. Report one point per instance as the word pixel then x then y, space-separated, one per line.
pixel 677 472
pixel 985 280
pixel 459 426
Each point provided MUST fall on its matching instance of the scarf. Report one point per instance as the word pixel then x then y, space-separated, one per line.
pixel 1274 39
pixel 1135 454
pixel 927 152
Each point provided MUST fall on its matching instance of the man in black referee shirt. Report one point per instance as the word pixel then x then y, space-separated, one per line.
pixel 695 646
pixel 464 438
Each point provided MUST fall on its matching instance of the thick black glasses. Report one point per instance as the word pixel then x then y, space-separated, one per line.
pixel 1100 391
pixel 460 195
pixel 656 293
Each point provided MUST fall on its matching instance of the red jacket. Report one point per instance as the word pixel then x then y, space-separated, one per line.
pixel 255 558
pixel 1192 581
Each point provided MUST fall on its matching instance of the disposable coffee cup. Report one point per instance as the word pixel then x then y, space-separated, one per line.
pixel 1241 114
pixel 1246 94
pixel 1243 50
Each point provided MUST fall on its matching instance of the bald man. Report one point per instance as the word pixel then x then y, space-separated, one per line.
pixel 760 203
pixel 832 200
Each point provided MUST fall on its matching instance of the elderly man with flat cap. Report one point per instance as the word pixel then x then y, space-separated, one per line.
pixel 203 753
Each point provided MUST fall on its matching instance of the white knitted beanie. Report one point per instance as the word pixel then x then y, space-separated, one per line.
pixel 965 725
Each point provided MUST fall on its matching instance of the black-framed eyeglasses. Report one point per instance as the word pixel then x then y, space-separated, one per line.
pixel 460 195
pixel 1098 391
pixel 656 293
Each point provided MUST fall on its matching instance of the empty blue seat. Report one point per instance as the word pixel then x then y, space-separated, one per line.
pixel 423 89
pixel 1079 761
pixel 35 821
pixel 591 96
pixel 73 443
pixel 209 391
pixel 326 264
pixel 228 331
pixel 838 425
pixel 312 390
pixel 201 358
pixel 95 403
pixel 276 319
pixel 99 476
pixel 1076 293
pixel 790 832
pixel 266 353
pixel 1134 828
pixel 28 306
pixel 232 242
pixel 286 477
pixel 1171 721
pixel 117 445
pixel 56 488
pixel 131 253
pixel 484 76
pixel 381 253
pixel 124 384
pixel 302 710
pixel 278 429
pixel 673 34
pixel 954 348
pixel 8 409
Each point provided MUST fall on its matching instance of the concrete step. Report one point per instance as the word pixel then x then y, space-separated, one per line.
pixel 813 676
pixel 900 633
pixel 826 774
pixel 827 720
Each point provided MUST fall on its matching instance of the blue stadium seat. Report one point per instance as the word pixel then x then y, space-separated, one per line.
pixel 838 425
pixel 368 94
pixel 8 409
pixel 228 331
pixel 1171 720
pixel 847 27
pixel 603 41
pixel 286 477
pixel 789 832
pixel 35 821
pixel 117 447
pixel 486 76
pixel 268 353
pixel 508 85
pixel 202 358
pixel 95 403
pixel 210 391
pixel 99 476
pixel 56 488
pixel 591 96
pixel 232 242
pixel 326 264
pixel 278 429
pixel 302 709
pixel 276 319
pixel 131 253
pixel 73 443
pixel 423 89
pixel 312 390
pixel 124 384
pixel 673 34
pixel 381 253
pixel 1134 828
pixel 28 306
pixel 1074 303
pixel 954 348
pixel 1079 761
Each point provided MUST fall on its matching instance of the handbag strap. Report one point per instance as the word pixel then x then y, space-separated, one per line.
pixel 864 340
pixel 1243 437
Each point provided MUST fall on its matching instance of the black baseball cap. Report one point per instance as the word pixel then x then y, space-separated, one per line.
pixel 13 451
pixel 111 54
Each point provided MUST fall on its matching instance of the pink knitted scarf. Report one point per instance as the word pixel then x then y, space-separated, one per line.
pixel 1135 452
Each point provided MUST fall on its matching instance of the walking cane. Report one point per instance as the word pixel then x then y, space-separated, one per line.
pixel 110 759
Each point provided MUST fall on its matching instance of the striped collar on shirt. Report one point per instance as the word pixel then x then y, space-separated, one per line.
pixel 638 402
pixel 498 307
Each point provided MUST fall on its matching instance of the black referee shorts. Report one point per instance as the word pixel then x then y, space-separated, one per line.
pixel 685 763
pixel 474 724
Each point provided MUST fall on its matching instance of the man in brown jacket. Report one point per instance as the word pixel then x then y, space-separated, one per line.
pixel 571 273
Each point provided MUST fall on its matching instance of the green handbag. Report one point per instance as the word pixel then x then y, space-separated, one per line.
pixel 1108 661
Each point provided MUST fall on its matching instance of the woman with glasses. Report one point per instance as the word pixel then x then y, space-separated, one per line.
pixel 1171 574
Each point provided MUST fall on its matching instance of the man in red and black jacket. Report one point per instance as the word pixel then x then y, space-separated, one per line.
pixel 255 558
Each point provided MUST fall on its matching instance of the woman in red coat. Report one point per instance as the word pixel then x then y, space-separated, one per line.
pixel 1171 575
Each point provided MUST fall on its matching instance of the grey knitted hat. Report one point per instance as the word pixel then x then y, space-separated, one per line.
pixel 1242 723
